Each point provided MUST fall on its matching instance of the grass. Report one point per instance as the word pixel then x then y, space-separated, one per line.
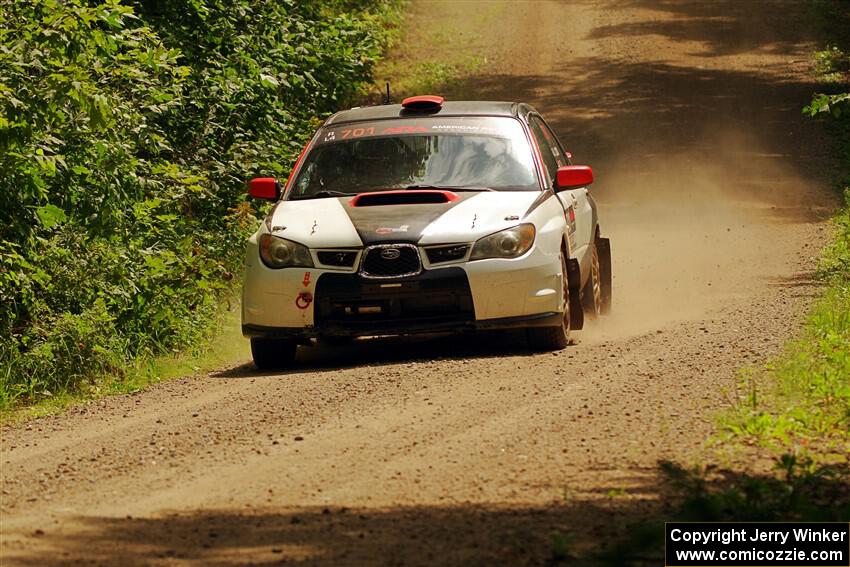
pixel 427 77
pixel 800 403
pixel 222 345
pixel 433 54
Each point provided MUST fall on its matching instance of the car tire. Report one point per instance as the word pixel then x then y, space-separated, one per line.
pixel 554 338
pixel 591 296
pixel 603 248
pixel 273 354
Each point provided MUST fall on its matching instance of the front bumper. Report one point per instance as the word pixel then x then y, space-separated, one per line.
pixel 409 328
pixel 483 294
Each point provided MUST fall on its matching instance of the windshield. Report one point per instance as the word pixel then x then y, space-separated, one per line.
pixel 472 153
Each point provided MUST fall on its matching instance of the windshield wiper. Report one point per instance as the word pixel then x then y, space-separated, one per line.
pixel 449 187
pixel 322 195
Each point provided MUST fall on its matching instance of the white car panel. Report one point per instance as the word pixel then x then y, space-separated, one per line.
pixel 476 217
pixel 317 223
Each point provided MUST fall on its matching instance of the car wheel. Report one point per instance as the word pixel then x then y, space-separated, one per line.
pixel 272 354
pixel 592 295
pixel 554 338
pixel 603 249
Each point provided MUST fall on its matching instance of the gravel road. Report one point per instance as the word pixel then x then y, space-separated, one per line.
pixel 425 451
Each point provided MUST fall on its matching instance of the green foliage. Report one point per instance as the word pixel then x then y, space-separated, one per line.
pixel 561 543
pixel 798 407
pixel 127 130
pixel 836 104
pixel 73 350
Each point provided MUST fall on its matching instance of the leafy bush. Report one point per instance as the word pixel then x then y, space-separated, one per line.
pixel 835 104
pixel 127 130
pixel 73 350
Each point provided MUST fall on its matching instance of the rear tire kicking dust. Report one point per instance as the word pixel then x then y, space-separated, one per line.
pixel 603 252
pixel 592 294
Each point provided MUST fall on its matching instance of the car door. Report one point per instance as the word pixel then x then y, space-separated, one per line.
pixel 578 206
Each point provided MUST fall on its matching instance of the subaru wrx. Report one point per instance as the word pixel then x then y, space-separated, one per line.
pixel 428 216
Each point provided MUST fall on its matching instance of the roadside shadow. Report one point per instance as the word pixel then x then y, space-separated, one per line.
pixel 719 27
pixel 385 351
pixel 665 131
pixel 609 526
pixel 662 132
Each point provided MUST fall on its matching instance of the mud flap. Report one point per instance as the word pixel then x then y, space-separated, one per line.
pixel 574 279
pixel 603 248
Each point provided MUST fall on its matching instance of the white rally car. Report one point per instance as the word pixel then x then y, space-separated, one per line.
pixel 428 216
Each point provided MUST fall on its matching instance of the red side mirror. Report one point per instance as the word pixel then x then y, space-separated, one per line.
pixel 572 176
pixel 264 188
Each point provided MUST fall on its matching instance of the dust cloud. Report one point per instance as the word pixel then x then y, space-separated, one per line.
pixel 695 230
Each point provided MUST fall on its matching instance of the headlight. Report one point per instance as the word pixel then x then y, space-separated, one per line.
pixel 509 243
pixel 281 253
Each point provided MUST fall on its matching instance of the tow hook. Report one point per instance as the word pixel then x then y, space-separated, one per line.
pixel 304 299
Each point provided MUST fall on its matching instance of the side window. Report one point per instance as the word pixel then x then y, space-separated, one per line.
pixel 557 151
pixel 549 160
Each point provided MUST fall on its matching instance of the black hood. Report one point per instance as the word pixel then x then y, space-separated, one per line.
pixel 383 223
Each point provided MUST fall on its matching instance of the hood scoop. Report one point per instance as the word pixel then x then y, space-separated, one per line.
pixel 406 197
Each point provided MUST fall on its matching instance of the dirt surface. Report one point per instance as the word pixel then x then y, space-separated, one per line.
pixel 428 451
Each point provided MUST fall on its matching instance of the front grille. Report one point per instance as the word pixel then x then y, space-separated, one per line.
pixel 337 258
pixel 391 261
pixel 451 253
pixel 346 304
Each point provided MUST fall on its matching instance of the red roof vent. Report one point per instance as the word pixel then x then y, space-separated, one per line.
pixel 423 103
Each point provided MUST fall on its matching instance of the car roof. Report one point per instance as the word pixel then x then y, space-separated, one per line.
pixel 448 108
